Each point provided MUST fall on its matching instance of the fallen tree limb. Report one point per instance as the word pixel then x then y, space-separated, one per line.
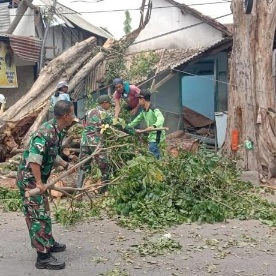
pixel 72 190
pixel 16 151
pixel 17 120
pixel 154 129
pixel 58 189
pixel 36 191
pixel 97 187
pixel 9 175
pixel 66 190
pixel 268 187
pixel 123 134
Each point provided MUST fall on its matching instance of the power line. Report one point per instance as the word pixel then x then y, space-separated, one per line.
pixel 181 4
pixel 200 76
pixel 177 30
pixel 123 10
pixel 218 81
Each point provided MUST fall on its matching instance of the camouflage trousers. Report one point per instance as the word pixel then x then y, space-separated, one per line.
pixel 37 214
pixel 99 160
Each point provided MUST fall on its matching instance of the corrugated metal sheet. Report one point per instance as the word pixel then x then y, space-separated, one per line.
pixel 82 23
pixel 4 17
pixel 26 48
pixel 65 13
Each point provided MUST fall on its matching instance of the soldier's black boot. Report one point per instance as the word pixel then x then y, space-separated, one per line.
pixel 48 261
pixel 58 247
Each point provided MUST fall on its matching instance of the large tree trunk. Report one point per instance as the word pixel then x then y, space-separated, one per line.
pixel 38 121
pixel 251 89
pixel 64 66
pixel 73 65
pixel 16 121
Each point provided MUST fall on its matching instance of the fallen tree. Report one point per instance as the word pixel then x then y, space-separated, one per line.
pixel 16 121
pixel 73 65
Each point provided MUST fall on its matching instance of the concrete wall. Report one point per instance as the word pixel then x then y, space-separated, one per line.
pixel 25 77
pixel 168 99
pixel 169 19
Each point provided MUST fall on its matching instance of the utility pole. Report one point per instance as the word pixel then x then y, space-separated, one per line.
pixel 50 17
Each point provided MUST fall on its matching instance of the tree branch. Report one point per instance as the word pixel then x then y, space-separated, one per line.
pixel 36 191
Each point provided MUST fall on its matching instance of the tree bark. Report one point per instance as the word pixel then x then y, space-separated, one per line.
pixel 252 89
pixel 189 145
pixel 39 120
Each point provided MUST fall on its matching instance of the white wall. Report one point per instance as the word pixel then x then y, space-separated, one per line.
pixel 26 25
pixel 168 19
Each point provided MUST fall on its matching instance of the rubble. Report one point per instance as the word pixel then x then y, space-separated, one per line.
pixel 180 140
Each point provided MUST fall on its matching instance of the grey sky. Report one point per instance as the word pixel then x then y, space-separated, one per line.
pixel 113 21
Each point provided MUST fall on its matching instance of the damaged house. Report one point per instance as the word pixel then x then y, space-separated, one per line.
pixel 188 72
pixel 189 53
pixel 191 74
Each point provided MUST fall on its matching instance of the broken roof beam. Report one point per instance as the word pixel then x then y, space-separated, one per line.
pixel 160 83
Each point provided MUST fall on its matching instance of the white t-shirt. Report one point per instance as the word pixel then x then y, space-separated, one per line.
pixel 54 100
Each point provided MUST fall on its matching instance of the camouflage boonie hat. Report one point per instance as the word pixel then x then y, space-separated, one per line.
pixel 104 99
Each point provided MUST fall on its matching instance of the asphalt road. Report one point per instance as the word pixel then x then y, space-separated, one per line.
pixel 100 247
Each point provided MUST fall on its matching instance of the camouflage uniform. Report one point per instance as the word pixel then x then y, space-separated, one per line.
pixel 43 150
pixel 91 138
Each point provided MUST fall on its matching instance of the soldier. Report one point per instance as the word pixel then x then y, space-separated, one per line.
pixel 92 137
pixel 34 170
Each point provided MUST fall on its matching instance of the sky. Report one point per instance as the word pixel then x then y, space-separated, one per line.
pixel 102 13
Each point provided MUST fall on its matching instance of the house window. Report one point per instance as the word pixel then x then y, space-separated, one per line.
pixel 198 88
